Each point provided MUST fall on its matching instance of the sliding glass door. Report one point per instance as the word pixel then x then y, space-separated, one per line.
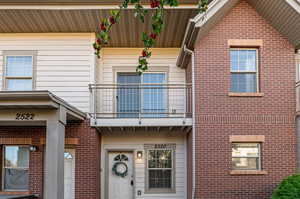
pixel 154 95
pixel 141 95
pixel 128 95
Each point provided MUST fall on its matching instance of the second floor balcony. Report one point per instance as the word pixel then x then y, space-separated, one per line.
pixel 138 105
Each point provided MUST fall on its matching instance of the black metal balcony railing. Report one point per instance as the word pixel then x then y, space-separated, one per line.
pixel 141 100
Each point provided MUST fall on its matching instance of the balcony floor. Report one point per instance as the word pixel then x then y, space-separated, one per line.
pixel 144 122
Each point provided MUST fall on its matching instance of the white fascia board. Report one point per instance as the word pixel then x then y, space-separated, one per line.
pixel 294 4
pixel 145 122
pixel 214 7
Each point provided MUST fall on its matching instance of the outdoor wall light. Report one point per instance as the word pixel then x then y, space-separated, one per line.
pixel 139 154
pixel 33 148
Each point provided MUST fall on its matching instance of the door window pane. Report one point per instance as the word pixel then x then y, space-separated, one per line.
pixel 154 95
pixel 128 95
pixel 16 166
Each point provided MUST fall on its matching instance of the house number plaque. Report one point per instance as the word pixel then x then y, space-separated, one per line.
pixel 24 116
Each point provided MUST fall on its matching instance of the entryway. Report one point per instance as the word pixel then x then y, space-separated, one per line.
pixel 69 174
pixel 120 175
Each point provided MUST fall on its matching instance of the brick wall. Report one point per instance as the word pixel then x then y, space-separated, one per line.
pixel 36 158
pixel 87 160
pixel 219 116
pixel 87 168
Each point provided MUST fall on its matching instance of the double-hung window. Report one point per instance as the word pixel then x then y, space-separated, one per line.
pixel 160 170
pixel 244 70
pixel 18 74
pixel 246 156
pixel 16 167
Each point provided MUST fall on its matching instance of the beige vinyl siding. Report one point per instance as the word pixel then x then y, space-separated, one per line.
pixel 136 143
pixel 64 63
pixel 126 60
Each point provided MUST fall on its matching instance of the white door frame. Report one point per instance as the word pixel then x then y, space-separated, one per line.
pixel 73 177
pixel 106 176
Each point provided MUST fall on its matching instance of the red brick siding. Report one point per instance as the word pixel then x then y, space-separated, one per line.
pixel 36 158
pixel 87 171
pixel 219 116
pixel 87 160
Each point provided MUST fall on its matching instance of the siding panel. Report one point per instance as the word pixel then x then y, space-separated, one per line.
pixel 63 66
pixel 125 60
pixel 136 142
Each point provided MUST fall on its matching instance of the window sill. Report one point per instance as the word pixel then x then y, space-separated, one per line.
pixel 245 94
pixel 160 191
pixel 14 192
pixel 248 172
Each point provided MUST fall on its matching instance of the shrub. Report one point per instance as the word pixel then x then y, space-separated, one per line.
pixel 289 188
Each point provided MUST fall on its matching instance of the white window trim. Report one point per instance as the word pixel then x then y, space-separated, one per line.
pixel 248 72
pixel 3 169
pixel 259 156
pixel 32 54
pixel 171 147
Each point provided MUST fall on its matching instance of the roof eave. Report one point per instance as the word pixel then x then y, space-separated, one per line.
pixel 42 95
pixel 200 25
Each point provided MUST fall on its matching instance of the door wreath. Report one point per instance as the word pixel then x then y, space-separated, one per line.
pixel 120 169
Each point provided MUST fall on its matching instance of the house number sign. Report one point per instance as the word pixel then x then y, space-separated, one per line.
pixel 24 116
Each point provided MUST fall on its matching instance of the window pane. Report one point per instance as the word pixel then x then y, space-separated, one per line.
pixel 245 163
pixel 160 159
pixel 16 157
pixel 234 58
pixel 19 66
pixel 160 179
pixel 243 60
pixel 245 150
pixel 243 83
pixel 154 98
pixel 16 179
pixel 128 101
pixel 19 84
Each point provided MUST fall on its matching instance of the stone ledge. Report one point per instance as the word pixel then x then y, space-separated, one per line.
pixel 247 138
pixel 248 172
pixel 245 42
pixel 245 94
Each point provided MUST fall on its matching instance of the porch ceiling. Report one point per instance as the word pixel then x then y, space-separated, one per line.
pixel 98 2
pixel 125 34
pixel 284 15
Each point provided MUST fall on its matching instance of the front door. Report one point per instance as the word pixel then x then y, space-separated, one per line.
pixel 69 174
pixel 120 175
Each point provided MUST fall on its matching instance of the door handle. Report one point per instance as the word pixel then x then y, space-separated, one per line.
pixel 131 182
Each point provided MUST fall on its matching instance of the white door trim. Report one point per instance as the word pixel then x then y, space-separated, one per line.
pixel 106 176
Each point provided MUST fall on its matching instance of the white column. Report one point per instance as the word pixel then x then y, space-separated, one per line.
pixel 54 161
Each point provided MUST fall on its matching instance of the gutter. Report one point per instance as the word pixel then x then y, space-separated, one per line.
pixel 201 24
pixel 192 53
pixel 41 94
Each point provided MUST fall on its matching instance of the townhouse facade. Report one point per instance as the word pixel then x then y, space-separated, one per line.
pixel 214 117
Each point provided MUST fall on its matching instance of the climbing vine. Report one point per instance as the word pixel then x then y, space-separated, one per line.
pixel 149 39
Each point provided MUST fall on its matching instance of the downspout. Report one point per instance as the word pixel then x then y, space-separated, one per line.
pixel 192 53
